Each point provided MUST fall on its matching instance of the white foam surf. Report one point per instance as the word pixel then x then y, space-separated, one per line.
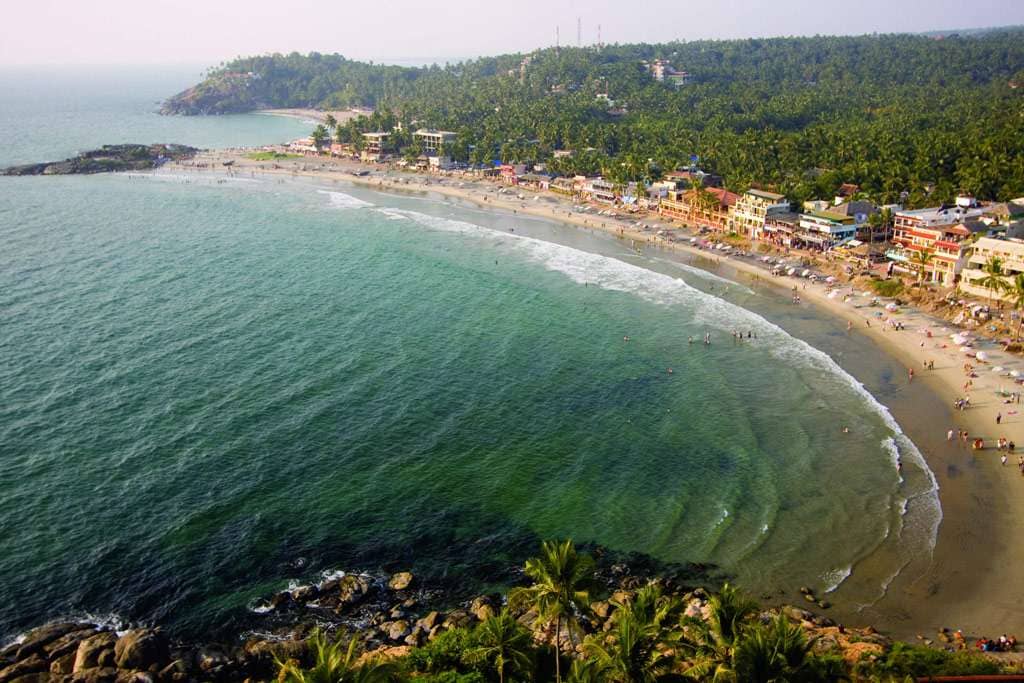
pixel 834 579
pixel 715 313
pixel 340 200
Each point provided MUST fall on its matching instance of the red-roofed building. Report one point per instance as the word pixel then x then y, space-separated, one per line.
pixel 931 232
pixel 708 207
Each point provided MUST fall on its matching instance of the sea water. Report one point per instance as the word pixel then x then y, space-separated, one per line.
pixel 210 388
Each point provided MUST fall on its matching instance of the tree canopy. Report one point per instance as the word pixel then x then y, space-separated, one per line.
pixel 891 113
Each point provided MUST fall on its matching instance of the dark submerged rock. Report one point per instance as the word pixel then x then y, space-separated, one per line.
pixel 127 157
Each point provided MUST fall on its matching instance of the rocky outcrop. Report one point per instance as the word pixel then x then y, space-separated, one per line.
pixel 383 612
pixel 128 157
pixel 228 93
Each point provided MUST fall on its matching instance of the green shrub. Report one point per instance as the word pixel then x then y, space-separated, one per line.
pixel 891 287
pixel 452 677
pixel 270 156
pixel 444 654
pixel 917 660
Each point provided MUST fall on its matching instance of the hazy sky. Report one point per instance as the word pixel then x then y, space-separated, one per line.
pixel 208 31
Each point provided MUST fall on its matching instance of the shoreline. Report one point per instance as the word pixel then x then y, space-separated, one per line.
pixel 315 115
pixel 975 522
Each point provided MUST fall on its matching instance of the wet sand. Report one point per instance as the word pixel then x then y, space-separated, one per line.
pixel 971 580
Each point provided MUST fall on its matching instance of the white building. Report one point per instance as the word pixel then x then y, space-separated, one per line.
pixel 750 212
pixel 1009 251
pixel 431 140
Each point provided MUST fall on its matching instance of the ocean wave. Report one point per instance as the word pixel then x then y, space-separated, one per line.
pixel 340 200
pixel 705 275
pixel 835 578
pixel 712 312
pixel 105 622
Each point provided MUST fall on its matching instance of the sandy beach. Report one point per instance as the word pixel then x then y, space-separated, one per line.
pixel 971 581
pixel 315 115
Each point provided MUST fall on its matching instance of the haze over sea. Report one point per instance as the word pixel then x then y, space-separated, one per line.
pixel 209 388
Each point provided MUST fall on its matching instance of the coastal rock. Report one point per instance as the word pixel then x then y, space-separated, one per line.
pixel 128 157
pixel 798 614
pixel 352 590
pixel 36 639
pixel 41 677
pixel 211 659
pixel 65 664
pixel 30 665
pixel 429 621
pixel 601 609
pixel 397 630
pixel 458 619
pixel 141 649
pixel 483 607
pixel 175 668
pixel 282 600
pixel 304 594
pixel 89 650
pixel 105 674
pixel 400 581
pixel 68 643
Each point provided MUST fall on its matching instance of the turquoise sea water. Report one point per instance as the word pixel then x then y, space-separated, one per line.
pixel 208 389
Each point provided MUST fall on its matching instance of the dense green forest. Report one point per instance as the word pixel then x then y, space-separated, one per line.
pixel 892 113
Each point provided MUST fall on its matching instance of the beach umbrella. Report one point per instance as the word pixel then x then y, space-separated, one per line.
pixel 790 271
pixel 1014 373
pixel 981 355
pixel 998 368
pixel 830 279
pixel 891 307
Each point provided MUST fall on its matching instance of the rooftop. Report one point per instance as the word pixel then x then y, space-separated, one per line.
pixel 829 216
pixel 764 194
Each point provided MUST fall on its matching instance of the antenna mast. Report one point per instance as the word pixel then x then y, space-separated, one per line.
pixel 579 32
pixel 599 35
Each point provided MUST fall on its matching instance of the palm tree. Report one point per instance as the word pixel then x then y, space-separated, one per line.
pixel 332 664
pixel 562 579
pixel 319 136
pixel 330 122
pixel 921 259
pixel 777 652
pixel 993 280
pixel 712 643
pixel 502 641
pixel 1015 293
pixel 633 653
pixel 586 671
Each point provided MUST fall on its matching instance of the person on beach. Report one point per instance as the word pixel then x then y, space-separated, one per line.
pixel 910 372
pixel 999 418
pixel 949 435
pixel 1002 459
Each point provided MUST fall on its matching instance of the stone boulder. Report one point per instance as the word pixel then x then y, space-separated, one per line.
pixel 141 649
pixel 42 677
pixel 32 664
pixel 352 590
pixel 92 649
pixel 212 660
pixel 36 639
pixel 400 581
pixel 483 607
pixel 68 643
pixel 601 609
pixel 103 674
pixel 429 621
pixel 64 664
pixel 397 630
pixel 304 594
